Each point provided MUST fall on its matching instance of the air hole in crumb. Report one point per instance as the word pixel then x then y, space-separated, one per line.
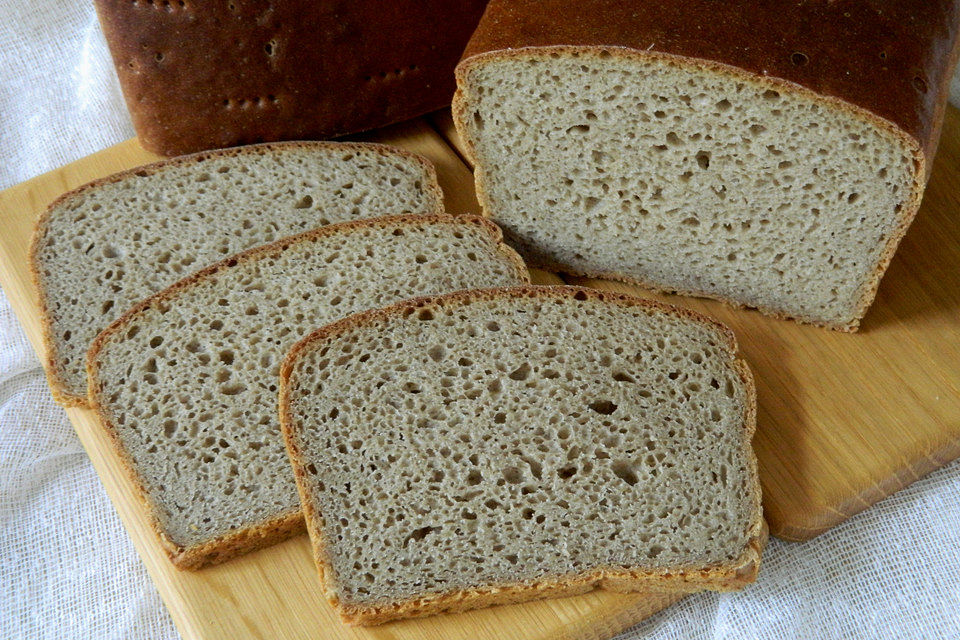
pixel 728 389
pixel 304 203
pixel 603 407
pixel 567 472
pixel 512 475
pixel 232 389
pixel 624 470
pixel 419 534
pixel 521 372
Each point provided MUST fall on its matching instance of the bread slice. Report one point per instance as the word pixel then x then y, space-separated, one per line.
pixel 104 247
pixel 496 446
pixel 648 144
pixel 185 384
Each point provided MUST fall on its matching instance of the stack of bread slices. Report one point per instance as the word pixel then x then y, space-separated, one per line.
pixel 451 435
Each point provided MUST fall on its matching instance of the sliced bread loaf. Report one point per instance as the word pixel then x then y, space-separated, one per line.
pixel 104 247
pixel 496 446
pixel 645 142
pixel 186 382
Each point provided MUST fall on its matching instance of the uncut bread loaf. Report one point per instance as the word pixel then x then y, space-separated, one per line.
pixel 198 75
pixel 645 142
pixel 185 384
pixel 100 249
pixel 496 446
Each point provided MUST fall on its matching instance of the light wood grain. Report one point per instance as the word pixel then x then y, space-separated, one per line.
pixel 275 593
pixel 845 420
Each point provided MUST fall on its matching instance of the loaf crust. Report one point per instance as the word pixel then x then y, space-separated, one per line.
pixel 286 525
pixel 200 75
pixel 56 383
pixel 726 577
pixel 826 51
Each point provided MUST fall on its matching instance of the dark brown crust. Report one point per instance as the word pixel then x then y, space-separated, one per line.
pixel 284 525
pixel 868 290
pixel 201 75
pixel 57 386
pixel 729 576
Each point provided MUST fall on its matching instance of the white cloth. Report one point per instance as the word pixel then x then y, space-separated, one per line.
pixel 68 570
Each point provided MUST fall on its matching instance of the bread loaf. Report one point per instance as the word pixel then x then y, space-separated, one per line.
pixel 767 154
pixel 489 447
pixel 200 75
pixel 102 248
pixel 185 384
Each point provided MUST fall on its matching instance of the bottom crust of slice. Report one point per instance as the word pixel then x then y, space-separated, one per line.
pixel 740 573
pixel 235 543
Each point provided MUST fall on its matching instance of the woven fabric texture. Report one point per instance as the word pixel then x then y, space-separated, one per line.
pixel 68 570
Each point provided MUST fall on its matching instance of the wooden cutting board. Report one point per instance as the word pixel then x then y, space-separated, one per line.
pixel 844 420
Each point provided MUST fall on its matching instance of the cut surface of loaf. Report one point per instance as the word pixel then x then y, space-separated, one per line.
pixel 186 382
pixel 104 247
pixel 762 176
pixel 521 443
